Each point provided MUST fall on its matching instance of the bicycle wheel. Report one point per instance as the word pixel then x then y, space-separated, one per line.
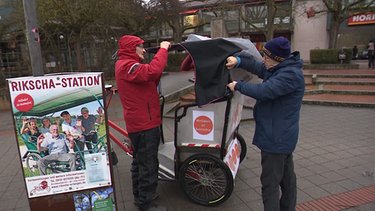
pixel 242 148
pixel 32 162
pixel 206 180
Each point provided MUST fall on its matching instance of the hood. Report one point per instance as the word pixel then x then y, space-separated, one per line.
pixel 293 61
pixel 127 45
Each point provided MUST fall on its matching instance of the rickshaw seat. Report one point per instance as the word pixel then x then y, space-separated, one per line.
pixel 29 144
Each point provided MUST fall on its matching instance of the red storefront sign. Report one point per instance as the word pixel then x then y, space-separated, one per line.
pixel 365 18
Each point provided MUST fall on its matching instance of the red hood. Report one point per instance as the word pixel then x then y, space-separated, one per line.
pixel 127 45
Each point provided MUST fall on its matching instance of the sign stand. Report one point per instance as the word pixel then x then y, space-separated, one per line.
pixel 86 183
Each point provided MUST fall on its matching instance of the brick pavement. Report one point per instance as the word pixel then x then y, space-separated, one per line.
pixel 334 155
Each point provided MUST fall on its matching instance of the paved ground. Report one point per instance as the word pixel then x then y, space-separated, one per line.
pixel 334 158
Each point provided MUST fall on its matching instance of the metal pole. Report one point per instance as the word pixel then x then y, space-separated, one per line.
pixel 33 39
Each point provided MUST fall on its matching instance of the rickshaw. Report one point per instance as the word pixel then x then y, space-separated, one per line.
pixel 206 151
pixel 50 107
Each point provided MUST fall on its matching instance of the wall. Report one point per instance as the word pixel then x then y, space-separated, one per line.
pixel 309 33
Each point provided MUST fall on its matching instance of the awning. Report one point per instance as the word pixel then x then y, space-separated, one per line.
pixel 192 11
pixel 64 101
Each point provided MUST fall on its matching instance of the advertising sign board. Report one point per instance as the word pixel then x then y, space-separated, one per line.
pixel 61 131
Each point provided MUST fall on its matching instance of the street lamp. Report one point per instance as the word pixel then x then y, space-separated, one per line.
pixel 68 60
pixel 62 48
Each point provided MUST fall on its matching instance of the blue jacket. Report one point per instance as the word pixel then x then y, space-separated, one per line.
pixel 278 105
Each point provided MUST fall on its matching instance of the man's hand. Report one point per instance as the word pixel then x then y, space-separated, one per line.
pixel 25 121
pixel 70 138
pixel 40 139
pixel 57 120
pixel 39 142
pixel 100 111
pixel 79 122
pixel 232 85
pixel 165 44
pixel 231 62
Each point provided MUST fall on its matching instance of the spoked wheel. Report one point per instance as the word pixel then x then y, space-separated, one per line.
pixel 242 148
pixel 206 180
pixel 32 162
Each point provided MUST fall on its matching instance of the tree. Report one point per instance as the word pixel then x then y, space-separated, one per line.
pixel 133 17
pixel 340 11
pixel 171 13
pixel 274 14
pixel 72 18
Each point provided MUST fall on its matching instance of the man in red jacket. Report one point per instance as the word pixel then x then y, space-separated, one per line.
pixel 137 85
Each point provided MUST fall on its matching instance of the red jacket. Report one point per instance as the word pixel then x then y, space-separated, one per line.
pixel 137 85
pixel 187 64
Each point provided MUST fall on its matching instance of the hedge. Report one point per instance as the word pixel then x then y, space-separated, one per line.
pixel 329 56
pixel 174 61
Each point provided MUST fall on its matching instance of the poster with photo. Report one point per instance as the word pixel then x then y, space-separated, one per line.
pixel 98 200
pixel 60 128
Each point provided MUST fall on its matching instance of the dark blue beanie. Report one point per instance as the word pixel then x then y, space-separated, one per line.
pixel 277 49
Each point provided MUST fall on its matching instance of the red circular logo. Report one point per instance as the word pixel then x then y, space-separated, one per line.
pixel 203 125
pixel 23 102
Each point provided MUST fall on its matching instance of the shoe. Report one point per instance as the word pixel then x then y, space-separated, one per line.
pixel 155 207
pixel 153 198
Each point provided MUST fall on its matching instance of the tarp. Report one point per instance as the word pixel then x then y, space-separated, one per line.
pixel 211 74
pixel 209 57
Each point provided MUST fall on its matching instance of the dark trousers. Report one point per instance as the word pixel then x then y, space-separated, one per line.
pixel 278 171
pixel 93 138
pixel 371 58
pixel 145 165
pixel 79 146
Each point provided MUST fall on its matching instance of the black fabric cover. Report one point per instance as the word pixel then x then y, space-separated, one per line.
pixel 211 74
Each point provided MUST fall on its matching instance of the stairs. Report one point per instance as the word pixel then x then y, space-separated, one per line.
pixel 355 88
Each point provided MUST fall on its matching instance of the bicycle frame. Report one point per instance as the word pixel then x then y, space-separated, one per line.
pixel 96 147
pixel 125 146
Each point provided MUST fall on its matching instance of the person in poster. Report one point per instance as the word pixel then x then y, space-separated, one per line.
pixel 58 150
pixel 31 129
pixel 74 128
pixel 88 123
pixel 46 123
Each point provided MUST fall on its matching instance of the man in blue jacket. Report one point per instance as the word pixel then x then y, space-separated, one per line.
pixel 276 114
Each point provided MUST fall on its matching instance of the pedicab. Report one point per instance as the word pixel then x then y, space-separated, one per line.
pixel 206 151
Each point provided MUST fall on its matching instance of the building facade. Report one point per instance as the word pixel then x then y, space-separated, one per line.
pixel 298 21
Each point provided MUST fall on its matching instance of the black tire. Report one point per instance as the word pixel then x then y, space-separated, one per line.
pixel 206 180
pixel 242 148
pixel 32 162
